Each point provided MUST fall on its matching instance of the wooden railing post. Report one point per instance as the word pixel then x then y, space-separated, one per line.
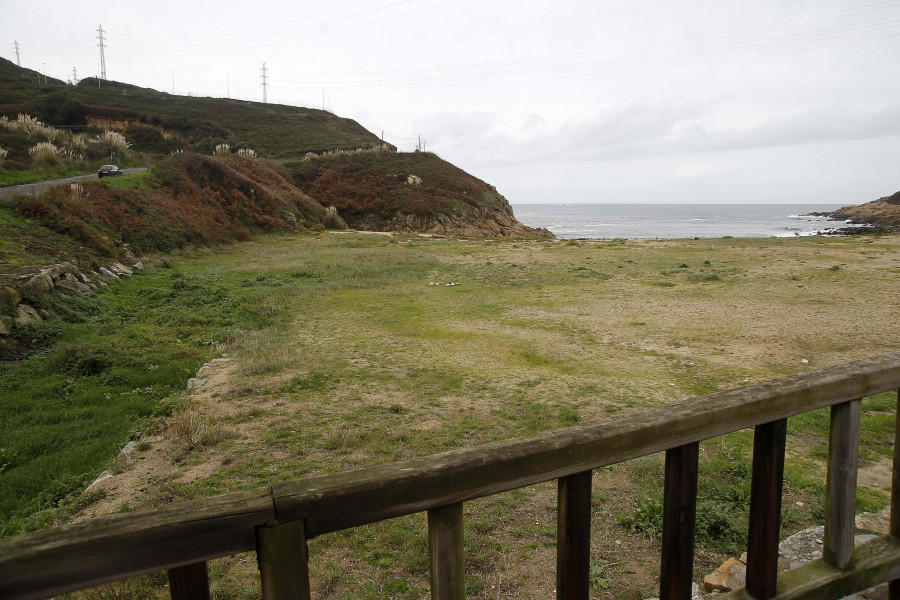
pixel 573 537
pixel 840 484
pixel 190 582
pixel 766 487
pixel 679 520
pixel 894 587
pixel 283 559
pixel 447 554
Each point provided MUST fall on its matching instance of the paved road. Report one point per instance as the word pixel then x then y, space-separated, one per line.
pixel 39 187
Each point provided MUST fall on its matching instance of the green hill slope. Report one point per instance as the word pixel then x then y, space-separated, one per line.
pixel 273 130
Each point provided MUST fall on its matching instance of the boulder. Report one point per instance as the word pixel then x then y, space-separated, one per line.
pixel 100 478
pixel 124 459
pixel 879 522
pixel 120 269
pixel 195 383
pixel 27 316
pixel 138 266
pixel 107 273
pixel 9 298
pixel 73 285
pixel 6 324
pixel 730 575
pixel 35 288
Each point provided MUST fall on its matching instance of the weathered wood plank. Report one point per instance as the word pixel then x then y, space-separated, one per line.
pixel 573 537
pixel 53 561
pixel 840 484
pixel 190 582
pixel 679 520
pixel 875 562
pixel 765 508
pixel 283 559
pixel 894 588
pixel 447 553
pixel 395 489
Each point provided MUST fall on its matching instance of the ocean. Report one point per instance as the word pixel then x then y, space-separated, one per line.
pixel 569 221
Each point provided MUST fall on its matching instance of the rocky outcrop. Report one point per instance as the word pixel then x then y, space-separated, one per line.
pixel 17 304
pixel 883 214
pixel 473 222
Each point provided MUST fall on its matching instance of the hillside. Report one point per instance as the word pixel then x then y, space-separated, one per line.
pixel 411 192
pixel 883 213
pixel 334 161
pixel 188 199
pixel 162 122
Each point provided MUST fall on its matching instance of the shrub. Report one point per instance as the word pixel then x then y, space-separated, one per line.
pixel 45 154
pixel 222 150
pixel 112 144
pixel 3 154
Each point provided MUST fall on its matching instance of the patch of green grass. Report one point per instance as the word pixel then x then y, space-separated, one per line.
pixel 142 179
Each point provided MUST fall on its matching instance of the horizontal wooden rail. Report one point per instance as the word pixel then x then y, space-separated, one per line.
pixel 71 557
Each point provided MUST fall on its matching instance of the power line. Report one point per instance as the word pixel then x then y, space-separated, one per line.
pixel 16 45
pixel 102 54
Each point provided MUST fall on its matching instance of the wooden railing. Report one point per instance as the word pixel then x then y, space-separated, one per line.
pixel 277 521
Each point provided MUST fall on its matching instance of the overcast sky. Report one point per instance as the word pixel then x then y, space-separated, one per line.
pixel 712 101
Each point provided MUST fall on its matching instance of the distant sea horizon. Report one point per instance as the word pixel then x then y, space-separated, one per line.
pixel 667 221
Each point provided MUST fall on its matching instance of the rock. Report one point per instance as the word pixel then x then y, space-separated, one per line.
pixel 84 278
pixel 35 288
pixel 802 547
pixel 195 383
pixel 207 366
pixel 291 218
pixel 414 180
pixel 878 522
pixel 730 575
pixel 9 298
pixel 138 266
pixel 27 316
pixel 107 273
pixel 124 459
pixel 6 324
pixel 120 269
pixel 73 285
pixel 102 477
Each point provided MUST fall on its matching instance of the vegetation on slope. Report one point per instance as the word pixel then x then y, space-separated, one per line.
pixel 188 199
pixel 161 122
pixel 414 192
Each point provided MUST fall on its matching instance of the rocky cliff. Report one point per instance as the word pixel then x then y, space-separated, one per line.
pixel 883 213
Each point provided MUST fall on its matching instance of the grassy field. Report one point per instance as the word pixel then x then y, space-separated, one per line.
pixel 349 350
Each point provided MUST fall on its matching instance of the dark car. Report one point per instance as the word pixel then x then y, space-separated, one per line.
pixel 109 171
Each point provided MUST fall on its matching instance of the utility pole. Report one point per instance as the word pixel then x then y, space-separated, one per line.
pixel 265 83
pixel 16 46
pixel 102 53
pixel 323 98
pixel 419 145
pixel 74 76
pixel 228 80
